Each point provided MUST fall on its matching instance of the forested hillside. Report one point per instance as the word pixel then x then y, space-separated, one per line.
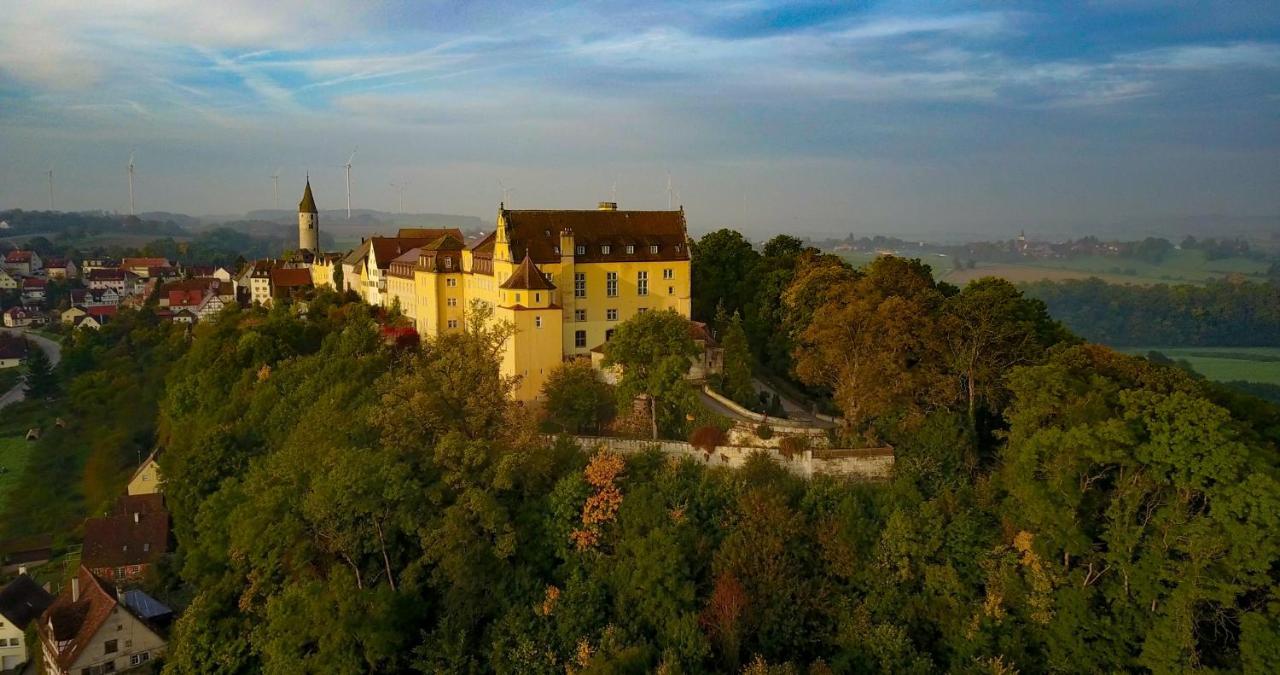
pixel 1218 314
pixel 345 506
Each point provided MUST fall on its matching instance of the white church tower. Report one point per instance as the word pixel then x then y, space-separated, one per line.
pixel 308 222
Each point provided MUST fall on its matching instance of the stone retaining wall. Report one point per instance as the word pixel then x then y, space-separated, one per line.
pixel 864 463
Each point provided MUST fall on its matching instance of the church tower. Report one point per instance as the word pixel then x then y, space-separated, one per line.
pixel 308 222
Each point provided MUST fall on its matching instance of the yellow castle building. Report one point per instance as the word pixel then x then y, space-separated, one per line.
pixel 563 278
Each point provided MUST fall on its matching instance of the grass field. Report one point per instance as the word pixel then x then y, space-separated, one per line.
pixel 1224 364
pixel 8 378
pixel 15 451
pixel 1178 267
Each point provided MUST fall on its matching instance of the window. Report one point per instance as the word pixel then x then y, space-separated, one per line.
pixel 611 284
pixel 579 285
pixel 537 321
pixel 580 339
pixel 120 570
pixel 451 283
pixel 642 283
pixel 611 314
pixel 537 297
pixel 110 647
pixel 642 310
pixel 448 263
pixel 604 249
pixel 579 315
pixel 608 335
pixel 139 659
pixel 557 250
pixel 631 249
pixel 452 302
pixel 671 290
pixel 453 323
pixel 517 298
pixel 668 273
pixel 581 250
pixel 653 248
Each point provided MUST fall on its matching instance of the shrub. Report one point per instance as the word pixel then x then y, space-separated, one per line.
pixel 793 445
pixel 764 432
pixel 706 438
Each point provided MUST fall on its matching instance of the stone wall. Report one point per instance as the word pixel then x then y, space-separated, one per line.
pixel 863 463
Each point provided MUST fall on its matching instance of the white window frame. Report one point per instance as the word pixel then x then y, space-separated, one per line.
pixel 579 315
pixel 611 284
pixel 580 339
pixel 604 249
pixel 631 249
pixel 611 314
pixel 579 285
pixel 581 250
pixel 642 283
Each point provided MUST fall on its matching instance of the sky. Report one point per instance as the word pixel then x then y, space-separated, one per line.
pixel 768 116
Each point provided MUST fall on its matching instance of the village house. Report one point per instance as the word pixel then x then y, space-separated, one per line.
pixel 12 352
pixel 7 281
pixel 22 263
pixel 126 542
pixel 60 268
pixel 146 480
pixel 146 267
pixel 289 283
pixel 91 297
pixel 254 283
pixel 93 627
pixel 18 317
pixel 93 316
pixel 102 279
pixel 21 602
pixel 34 290
pixel 90 264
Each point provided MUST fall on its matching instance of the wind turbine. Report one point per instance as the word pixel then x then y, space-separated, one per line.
pixel 131 182
pixel 506 193
pixel 400 187
pixel 348 167
pixel 669 204
pixel 50 174
pixel 275 187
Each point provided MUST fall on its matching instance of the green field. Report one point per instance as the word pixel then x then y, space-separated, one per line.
pixel 1224 364
pixel 15 451
pixel 1179 267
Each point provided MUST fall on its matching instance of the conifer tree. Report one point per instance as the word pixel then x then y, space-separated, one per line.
pixel 40 381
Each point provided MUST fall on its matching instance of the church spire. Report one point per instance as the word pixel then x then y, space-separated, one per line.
pixel 308 203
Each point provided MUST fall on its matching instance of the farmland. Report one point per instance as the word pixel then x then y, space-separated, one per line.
pixel 1225 364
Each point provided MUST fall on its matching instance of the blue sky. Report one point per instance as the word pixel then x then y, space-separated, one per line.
pixel 909 117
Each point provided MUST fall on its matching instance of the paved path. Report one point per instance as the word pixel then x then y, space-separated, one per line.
pixel 53 349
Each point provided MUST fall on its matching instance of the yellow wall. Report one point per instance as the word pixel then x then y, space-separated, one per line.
pixel 147 480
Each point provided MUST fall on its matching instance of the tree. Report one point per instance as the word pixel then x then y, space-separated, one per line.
pixel 577 399
pixel 737 380
pixel 40 380
pixel 723 271
pixel 987 329
pixel 654 351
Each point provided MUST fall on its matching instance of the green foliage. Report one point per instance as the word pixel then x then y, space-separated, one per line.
pixel 40 382
pixel 577 400
pixel 654 350
pixel 737 381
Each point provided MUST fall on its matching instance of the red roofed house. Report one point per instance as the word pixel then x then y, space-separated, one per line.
pixel 60 268
pixel 125 543
pixel 18 317
pixel 90 628
pixel 144 267
pixel 22 263
pixel 289 282
pixel 34 289
pixel 116 280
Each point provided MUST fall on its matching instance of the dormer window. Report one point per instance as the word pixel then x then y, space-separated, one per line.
pixel 677 248
pixel 631 249
pixel 448 263
pixel 604 250
pixel 582 250
pixel 653 248
pixel 557 249
pixel 546 233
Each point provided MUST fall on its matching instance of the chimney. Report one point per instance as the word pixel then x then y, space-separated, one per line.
pixel 75 588
pixel 607 206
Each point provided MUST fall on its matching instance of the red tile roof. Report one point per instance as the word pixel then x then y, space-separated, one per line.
pixel 538 232
pixel 290 277
pixel 131 263
pixel 68 626
pixel 17 256
pixel 136 532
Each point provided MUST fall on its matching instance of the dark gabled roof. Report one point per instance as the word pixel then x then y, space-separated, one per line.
pixel 538 234
pixel 527 277
pixel 136 532
pixel 308 203
pixel 106 275
pixel 448 242
pixel 290 277
pixel 76 622
pixel 386 249
pixel 355 256
pixel 23 600
pixel 429 233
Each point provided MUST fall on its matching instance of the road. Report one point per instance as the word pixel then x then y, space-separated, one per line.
pixel 53 349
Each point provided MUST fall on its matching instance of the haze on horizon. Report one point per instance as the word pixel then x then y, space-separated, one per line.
pixel 811 118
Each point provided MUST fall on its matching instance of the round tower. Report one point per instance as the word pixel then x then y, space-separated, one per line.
pixel 308 222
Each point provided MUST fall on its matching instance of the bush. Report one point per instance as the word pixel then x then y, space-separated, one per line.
pixel 764 432
pixel 706 438
pixel 793 445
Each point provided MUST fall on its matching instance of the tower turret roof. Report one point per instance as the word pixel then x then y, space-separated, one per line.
pixel 308 203
pixel 527 277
